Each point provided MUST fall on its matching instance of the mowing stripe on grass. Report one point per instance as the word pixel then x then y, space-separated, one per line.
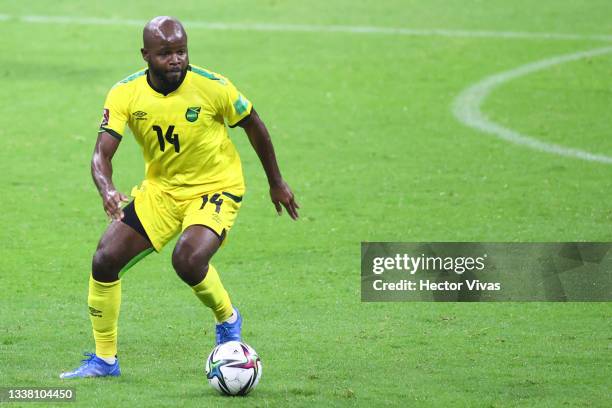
pixel 467 107
pixel 311 28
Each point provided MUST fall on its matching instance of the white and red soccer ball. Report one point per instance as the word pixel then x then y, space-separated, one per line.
pixel 233 368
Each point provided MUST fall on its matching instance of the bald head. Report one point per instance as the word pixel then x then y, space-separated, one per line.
pixel 165 50
pixel 163 29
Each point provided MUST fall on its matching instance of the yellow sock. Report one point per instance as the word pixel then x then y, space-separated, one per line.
pixel 104 301
pixel 212 293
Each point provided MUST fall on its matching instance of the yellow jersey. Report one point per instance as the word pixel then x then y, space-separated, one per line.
pixel 183 135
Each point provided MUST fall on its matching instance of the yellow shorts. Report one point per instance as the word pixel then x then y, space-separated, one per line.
pixel 163 216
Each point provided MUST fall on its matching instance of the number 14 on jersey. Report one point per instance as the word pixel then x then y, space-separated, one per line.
pixel 167 136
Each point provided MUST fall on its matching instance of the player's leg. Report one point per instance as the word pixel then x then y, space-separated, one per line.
pixel 191 260
pixel 119 247
pixel 193 252
pixel 123 243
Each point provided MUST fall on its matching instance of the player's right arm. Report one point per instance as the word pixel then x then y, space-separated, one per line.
pixel 110 135
pixel 102 173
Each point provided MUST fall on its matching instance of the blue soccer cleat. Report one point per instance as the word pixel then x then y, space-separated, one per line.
pixel 94 366
pixel 230 331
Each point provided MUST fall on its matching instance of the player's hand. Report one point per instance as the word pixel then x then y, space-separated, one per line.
pixel 112 201
pixel 281 194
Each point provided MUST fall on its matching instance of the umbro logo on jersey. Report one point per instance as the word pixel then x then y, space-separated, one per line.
pixel 139 115
pixel 192 113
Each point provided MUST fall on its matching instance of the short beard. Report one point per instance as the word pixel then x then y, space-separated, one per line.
pixel 161 76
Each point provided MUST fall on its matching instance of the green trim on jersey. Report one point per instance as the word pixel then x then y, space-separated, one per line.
pixel 206 74
pixel 133 77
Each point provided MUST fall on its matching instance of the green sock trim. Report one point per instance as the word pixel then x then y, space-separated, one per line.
pixel 135 260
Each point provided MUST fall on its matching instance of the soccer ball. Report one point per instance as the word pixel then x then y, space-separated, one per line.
pixel 233 368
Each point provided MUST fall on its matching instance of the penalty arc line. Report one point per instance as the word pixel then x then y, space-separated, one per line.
pixel 311 28
pixel 467 107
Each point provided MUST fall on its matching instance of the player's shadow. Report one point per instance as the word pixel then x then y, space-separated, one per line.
pixel 205 391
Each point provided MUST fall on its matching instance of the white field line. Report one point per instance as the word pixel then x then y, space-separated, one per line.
pixel 434 32
pixel 467 107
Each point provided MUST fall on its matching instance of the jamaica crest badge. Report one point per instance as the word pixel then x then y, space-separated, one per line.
pixel 192 113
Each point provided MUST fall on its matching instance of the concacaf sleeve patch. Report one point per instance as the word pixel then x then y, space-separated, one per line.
pixel 241 104
pixel 105 117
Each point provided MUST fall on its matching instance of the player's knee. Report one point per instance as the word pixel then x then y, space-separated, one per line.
pixel 190 264
pixel 105 266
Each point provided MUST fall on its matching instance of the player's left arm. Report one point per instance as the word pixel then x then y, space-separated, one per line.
pixel 280 192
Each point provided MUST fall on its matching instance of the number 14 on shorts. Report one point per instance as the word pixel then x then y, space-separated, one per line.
pixel 214 199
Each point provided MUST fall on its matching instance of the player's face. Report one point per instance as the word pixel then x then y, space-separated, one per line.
pixel 168 60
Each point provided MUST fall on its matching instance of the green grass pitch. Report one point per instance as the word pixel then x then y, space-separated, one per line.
pixel 364 132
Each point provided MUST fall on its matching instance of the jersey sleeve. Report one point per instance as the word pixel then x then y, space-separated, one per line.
pixel 115 116
pixel 234 105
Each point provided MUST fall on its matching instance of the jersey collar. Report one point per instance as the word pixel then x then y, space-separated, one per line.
pixel 159 93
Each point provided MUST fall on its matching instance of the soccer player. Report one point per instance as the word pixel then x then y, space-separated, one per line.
pixel 193 183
